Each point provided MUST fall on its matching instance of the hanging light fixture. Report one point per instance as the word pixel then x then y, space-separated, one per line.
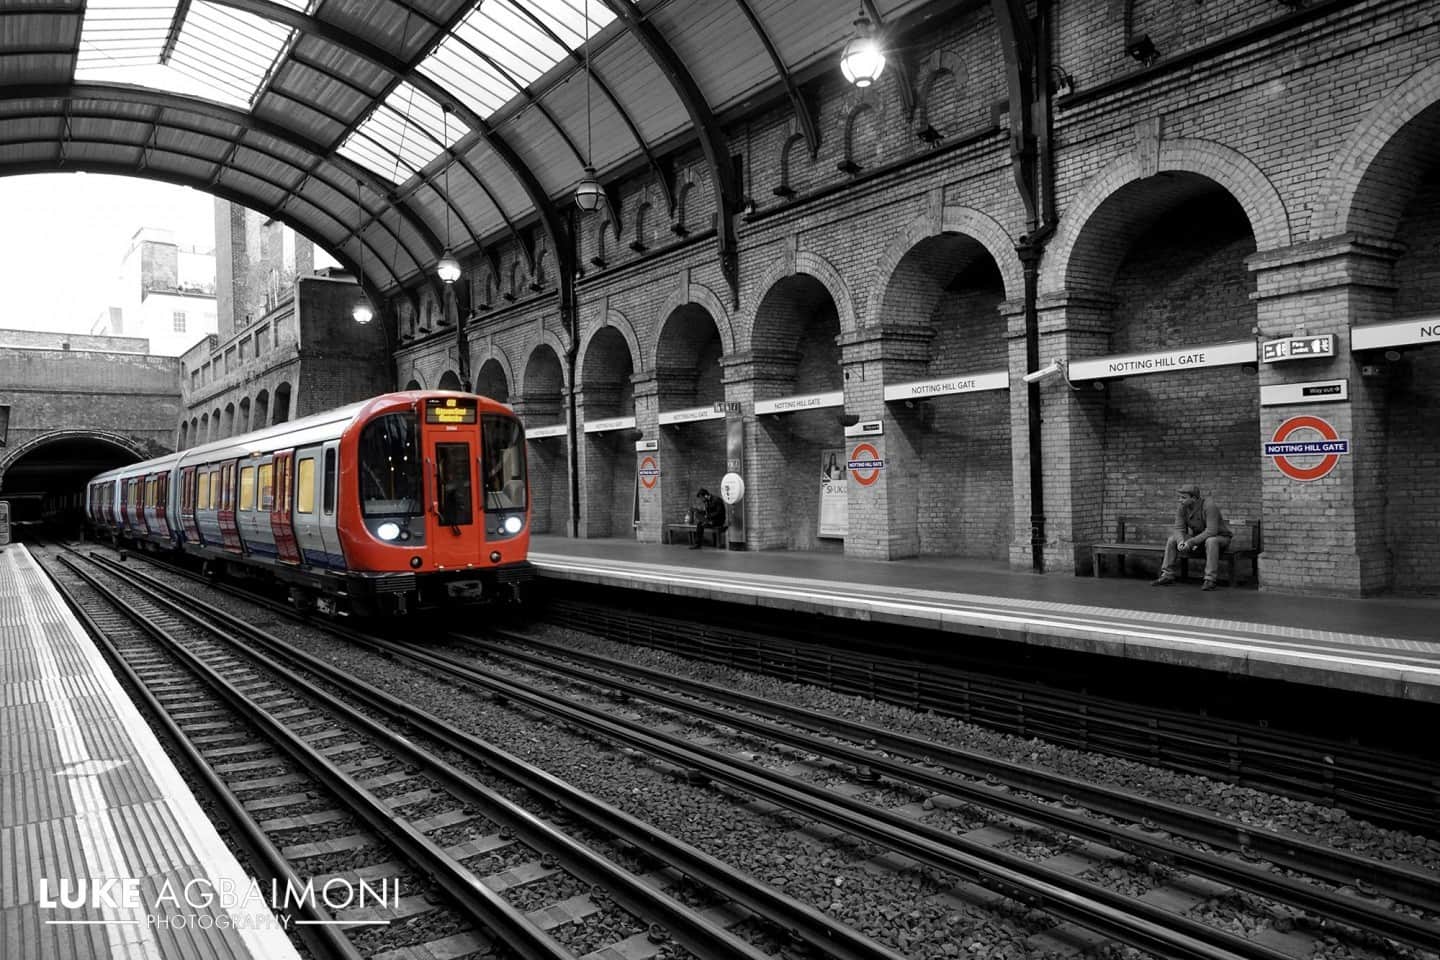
pixel 448 268
pixel 589 194
pixel 362 312
pixel 862 60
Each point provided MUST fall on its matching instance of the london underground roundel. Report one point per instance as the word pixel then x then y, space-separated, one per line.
pixel 1285 443
pixel 865 464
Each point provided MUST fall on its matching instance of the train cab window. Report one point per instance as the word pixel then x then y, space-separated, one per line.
pixel 329 502
pixel 452 474
pixel 503 460
pixel 389 461
pixel 265 486
pixel 247 489
pixel 305 486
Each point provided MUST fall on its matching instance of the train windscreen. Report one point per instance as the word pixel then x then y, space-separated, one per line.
pixel 503 460
pixel 390 476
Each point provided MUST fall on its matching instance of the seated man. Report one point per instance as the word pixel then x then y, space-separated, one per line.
pixel 709 512
pixel 1198 523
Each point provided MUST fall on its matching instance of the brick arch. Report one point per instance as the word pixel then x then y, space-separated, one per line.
pixel 701 296
pixel 498 354
pixel 616 319
pixel 814 265
pixel 1232 170
pixel 11 456
pixel 1343 200
pixel 548 339
pixel 954 219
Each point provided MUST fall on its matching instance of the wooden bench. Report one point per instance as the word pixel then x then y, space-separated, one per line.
pixel 1131 539
pixel 680 533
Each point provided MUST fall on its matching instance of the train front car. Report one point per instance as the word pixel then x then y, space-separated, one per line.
pixel 441 511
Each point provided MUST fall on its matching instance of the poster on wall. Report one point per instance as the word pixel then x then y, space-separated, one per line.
pixel 834 506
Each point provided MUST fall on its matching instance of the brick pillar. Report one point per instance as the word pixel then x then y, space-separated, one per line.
pixel 1327 535
pixel 883 522
pixel 747 376
pixel 1073 326
pixel 647 412
pixel 597 471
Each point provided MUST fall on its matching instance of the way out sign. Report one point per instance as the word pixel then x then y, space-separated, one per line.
pixel 1306 438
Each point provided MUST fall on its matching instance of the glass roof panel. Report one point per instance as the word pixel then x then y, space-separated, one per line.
pixel 504 46
pixel 220 53
pixel 402 135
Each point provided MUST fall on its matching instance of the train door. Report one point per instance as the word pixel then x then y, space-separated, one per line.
pixel 229 531
pixel 281 529
pixel 329 497
pixel 162 505
pixel 189 529
pixel 451 446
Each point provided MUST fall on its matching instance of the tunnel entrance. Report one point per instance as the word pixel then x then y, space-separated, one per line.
pixel 44 480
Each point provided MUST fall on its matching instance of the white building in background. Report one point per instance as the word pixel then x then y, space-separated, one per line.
pixel 163 292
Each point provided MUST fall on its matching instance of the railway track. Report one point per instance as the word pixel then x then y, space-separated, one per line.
pixel 661 918
pixel 1197 857
pixel 1396 789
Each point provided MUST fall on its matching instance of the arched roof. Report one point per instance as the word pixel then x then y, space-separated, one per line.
pixel 332 115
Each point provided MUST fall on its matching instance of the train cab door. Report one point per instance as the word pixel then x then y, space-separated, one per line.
pixel 328 530
pixel 229 531
pixel 281 526
pixel 453 529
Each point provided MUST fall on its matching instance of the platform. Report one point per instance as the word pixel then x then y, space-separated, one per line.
pixel 87 795
pixel 1384 646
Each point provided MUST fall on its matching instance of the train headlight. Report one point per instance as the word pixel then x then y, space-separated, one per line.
pixel 388 530
pixel 513 524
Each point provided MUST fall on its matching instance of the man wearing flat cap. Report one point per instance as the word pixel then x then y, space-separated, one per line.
pixel 1198 526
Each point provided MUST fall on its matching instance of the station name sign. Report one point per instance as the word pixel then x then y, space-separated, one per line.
pixel 690 415
pixel 807 401
pixel 945 386
pixel 1402 333
pixel 1298 348
pixel 549 430
pixel 1189 358
pixel 611 423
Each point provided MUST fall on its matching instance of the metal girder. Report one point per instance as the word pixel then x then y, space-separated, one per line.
pixel 1017 43
pixel 803 116
pixel 407 70
pixel 67 93
pixel 707 128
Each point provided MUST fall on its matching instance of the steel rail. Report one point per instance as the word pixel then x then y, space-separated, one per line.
pixel 1417 888
pixel 687 927
pixel 474 898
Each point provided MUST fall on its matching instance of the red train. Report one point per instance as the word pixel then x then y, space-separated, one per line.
pixel 403 502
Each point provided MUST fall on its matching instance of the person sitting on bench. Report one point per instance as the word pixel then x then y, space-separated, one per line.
pixel 1198 523
pixel 709 512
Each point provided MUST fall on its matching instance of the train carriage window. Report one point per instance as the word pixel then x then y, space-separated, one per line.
pixel 329 504
pixel 247 489
pixel 265 487
pixel 503 460
pixel 389 462
pixel 452 469
pixel 202 495
pixel 305 486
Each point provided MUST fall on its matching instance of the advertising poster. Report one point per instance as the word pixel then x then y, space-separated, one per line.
pixel 834 507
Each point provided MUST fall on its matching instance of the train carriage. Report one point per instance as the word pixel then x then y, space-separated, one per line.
pixel 406 501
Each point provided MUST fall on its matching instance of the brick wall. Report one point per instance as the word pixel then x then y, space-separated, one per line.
pixel 1195 204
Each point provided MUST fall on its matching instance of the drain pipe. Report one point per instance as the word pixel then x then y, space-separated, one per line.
pixel 1041 224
